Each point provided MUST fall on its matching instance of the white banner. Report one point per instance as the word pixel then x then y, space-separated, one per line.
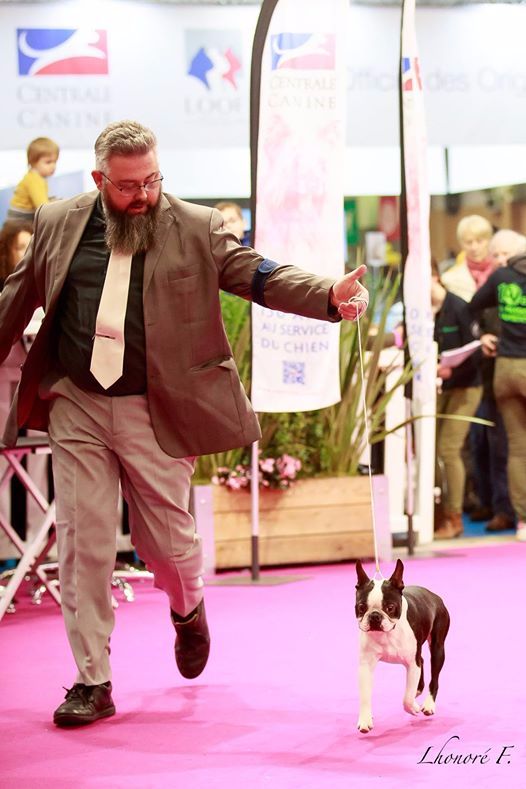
pixel 299 216
pixel 417 267
pixel 69 68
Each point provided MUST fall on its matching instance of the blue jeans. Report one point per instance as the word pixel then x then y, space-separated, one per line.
pixel 489 457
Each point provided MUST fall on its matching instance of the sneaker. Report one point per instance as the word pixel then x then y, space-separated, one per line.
pixel 521 531
pixel 85 704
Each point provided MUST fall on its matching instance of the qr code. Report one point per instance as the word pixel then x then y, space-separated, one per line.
pixel 294 373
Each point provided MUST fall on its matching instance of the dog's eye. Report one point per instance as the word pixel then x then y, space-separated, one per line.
pixel 390 608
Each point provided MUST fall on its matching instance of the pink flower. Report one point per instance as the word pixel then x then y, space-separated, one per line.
pixel 235 483
pixel 288 466
pixel 272 473
pixel 267 465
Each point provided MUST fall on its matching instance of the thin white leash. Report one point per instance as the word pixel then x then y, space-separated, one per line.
pixel 360 300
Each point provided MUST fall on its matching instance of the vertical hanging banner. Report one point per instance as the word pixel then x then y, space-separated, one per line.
pixel 417 266
pixel 297 149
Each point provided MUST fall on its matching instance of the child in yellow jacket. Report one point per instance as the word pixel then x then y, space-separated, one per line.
pixel 32 191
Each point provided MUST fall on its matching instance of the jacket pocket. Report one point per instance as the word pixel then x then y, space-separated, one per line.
pixel 218 361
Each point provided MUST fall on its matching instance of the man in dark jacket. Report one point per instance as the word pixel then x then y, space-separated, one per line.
pixel 506 290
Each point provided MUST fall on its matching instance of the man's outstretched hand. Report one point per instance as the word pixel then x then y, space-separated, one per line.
pixel 345 290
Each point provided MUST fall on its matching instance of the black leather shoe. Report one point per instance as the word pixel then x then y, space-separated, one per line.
pixel 192 643
pixel 85 704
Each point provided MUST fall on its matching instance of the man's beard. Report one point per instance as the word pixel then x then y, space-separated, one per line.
pixel 130 233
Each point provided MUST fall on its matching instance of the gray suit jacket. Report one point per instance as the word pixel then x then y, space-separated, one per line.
pixel 196 399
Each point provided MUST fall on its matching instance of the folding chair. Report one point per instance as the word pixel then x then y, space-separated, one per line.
pixel 34 552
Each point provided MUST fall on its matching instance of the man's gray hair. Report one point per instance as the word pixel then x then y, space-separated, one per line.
pixel 124 138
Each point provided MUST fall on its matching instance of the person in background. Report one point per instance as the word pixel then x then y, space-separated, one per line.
pixel 506 290
pixel 489 445
pixel 233 219
pixel 14 240
pixel 132 375
pixel 234 309
pixel 474 264
pixel 32 191
pixel 459 396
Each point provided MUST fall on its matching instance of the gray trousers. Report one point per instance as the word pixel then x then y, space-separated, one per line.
pixel 98 442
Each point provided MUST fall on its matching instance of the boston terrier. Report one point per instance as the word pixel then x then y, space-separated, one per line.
pixel 394 622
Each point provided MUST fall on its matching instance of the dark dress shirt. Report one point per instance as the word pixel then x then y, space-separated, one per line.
pixel 77 313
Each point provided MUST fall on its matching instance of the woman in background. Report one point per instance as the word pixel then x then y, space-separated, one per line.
pixel 14 239
pixel 474 263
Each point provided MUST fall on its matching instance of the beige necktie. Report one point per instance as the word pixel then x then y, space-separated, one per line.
pixel 108 344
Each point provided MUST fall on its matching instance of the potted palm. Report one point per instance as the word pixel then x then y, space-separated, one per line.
pixel 314 503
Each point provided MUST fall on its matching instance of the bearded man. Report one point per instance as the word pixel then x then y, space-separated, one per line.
pixel 132 376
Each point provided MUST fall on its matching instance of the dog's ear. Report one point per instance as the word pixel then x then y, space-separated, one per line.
pixel 396 579
pixel 363 578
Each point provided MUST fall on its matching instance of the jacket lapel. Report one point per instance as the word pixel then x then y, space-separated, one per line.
pixel 152 256
pixel 74 225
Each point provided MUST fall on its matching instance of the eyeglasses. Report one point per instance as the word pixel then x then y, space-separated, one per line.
pixel 130 191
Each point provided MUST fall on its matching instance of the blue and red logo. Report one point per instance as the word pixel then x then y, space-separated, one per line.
pixel 307 51
pixel 44 51
pixel 212 57
pixel 411 79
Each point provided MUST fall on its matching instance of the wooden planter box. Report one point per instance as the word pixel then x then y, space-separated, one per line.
pixel 316 520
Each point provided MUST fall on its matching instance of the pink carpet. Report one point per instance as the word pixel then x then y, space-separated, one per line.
pixel 277 704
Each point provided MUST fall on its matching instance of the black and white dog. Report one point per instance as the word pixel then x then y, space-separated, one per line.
pixel 394 622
